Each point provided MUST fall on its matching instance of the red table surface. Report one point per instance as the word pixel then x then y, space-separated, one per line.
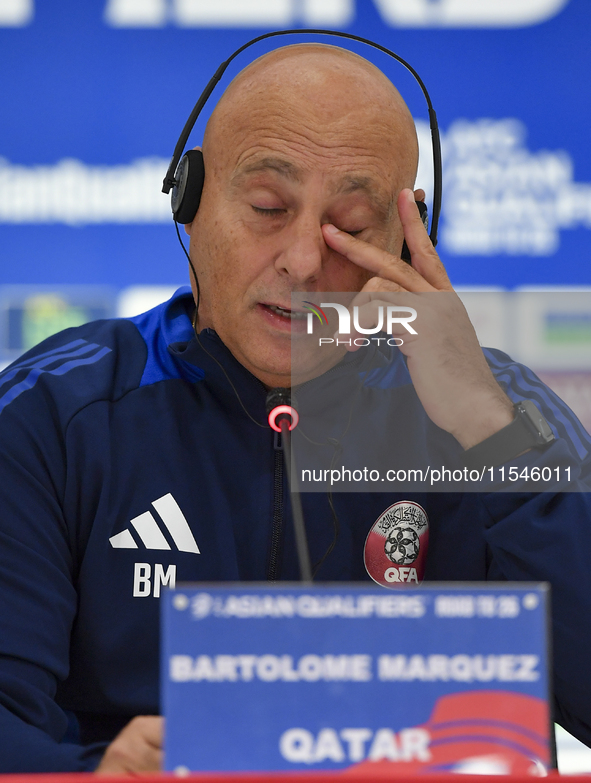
pixel 351 776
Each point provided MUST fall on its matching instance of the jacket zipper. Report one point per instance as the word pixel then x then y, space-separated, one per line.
pixel 277 528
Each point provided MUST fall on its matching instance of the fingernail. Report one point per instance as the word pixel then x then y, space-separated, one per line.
pixel 409 195
pixel 328 227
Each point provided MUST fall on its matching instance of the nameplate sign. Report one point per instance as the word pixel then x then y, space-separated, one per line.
pixel 446 678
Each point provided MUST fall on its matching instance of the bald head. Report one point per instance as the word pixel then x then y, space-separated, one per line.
pixel 330 93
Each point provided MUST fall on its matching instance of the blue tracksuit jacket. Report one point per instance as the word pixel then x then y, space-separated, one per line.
pixel 127 463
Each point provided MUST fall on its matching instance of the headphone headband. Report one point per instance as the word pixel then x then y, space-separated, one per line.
pixel 171 181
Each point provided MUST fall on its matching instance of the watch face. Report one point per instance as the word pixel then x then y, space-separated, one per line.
pixel 538 423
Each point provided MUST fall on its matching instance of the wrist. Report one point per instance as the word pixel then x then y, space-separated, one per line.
pixel 528 430
pixel 486 419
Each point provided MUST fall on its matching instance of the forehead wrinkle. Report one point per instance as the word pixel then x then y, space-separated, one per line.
pixel 284 168
pixel 271 146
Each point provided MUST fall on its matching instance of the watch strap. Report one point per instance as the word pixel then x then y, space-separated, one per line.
pixel 529 429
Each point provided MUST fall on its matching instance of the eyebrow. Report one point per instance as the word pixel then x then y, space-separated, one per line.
pixel 350 184
pixel 280 166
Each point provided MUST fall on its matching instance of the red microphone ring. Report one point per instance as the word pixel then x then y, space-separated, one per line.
pixel 283 409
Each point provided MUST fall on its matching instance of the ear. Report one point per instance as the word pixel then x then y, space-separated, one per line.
pixel 186 194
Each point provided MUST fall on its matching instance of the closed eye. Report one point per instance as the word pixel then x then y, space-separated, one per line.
pixel 276 211
pixel 268 212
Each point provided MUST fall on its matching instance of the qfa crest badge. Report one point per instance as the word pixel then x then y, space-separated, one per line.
pixel 396 546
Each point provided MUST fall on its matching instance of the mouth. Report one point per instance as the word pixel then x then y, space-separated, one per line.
pixel 284 318
pixel 285 312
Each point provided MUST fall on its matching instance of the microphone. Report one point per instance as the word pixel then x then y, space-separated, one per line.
pixel 279 408
pixel 283 417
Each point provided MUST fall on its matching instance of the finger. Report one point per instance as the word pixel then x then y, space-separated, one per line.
pixel 420 195
pixel 373 291
pixel 383 264
pixel 125 755
pixel 378 285
pixel 368 315
pixel 137 747
pixel 393 311
pixel 423 255
pixel 384 291
pixel 373 314
pixel 152 728
pixel 152 760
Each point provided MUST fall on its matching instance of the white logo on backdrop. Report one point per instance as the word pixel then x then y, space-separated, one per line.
pixel 229 13
pixel 467 13
pixel 499 197
pixel 337 13
pixel 74 193
pixel 16 13
pixel 283 13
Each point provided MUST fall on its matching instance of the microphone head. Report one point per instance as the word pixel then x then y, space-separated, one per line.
pixel 278 405
pixel 278 396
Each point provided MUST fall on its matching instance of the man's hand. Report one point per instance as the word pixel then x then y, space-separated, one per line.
pixel 445 361
pixel 137 748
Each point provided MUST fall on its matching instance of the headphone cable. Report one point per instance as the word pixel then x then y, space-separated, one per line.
pixel 198 338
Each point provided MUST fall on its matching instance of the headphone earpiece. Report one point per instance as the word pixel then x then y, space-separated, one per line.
pixel 186 193
pixel 422 207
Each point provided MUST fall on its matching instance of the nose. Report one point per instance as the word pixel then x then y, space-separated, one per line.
pixel 304 252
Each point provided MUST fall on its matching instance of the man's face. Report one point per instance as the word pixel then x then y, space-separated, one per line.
pixel 282 173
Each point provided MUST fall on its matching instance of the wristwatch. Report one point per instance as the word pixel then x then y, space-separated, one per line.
pixel 529 429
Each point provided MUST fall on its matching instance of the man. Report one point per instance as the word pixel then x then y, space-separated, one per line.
pixel 310 160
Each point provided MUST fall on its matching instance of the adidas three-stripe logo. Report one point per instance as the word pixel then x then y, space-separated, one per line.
pixel 151 535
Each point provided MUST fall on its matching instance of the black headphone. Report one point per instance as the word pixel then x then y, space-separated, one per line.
pixel 185 178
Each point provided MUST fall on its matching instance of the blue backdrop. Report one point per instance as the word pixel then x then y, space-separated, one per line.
pixel 95 94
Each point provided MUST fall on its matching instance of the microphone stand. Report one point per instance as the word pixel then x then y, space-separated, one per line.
pixel 296 504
